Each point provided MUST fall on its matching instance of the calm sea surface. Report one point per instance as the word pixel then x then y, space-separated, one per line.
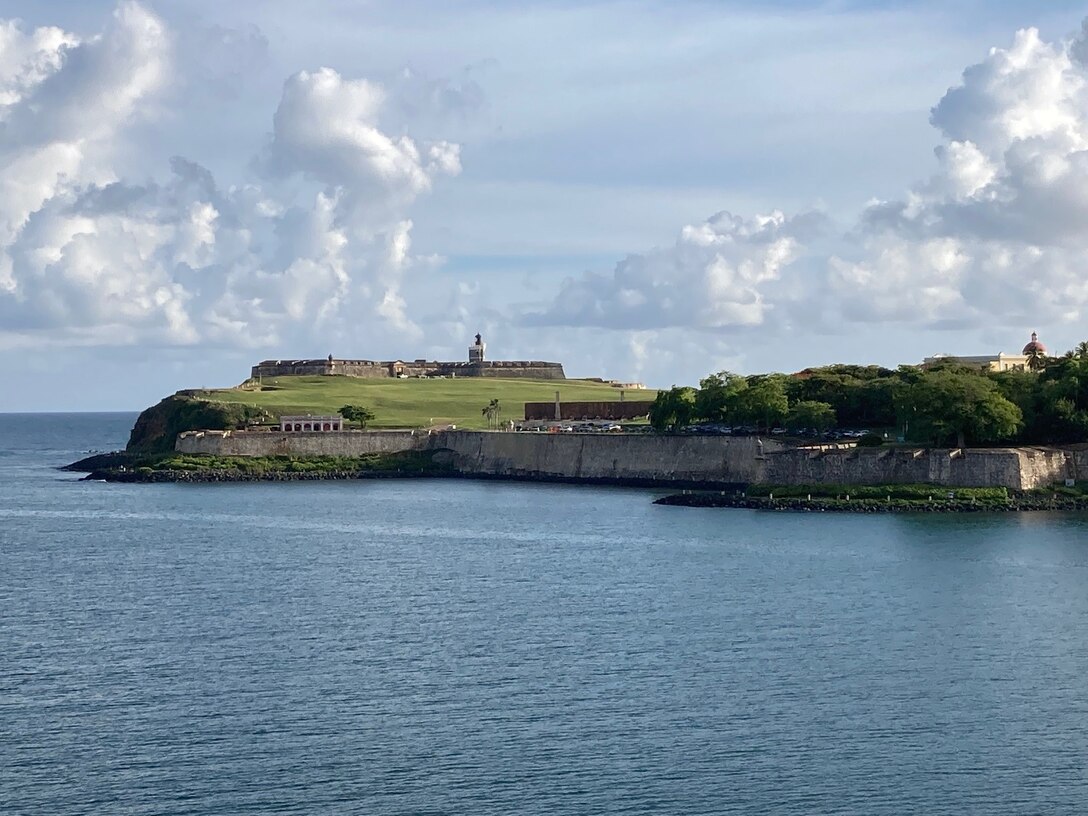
pixel 428 647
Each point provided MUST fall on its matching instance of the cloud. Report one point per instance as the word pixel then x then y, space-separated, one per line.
pixel 65 100
pixel 96 84
pixel 714 277
pixel 26 59
pixel 223 60
pixel 997 234
pixel 327 127
pixel 314 239
pixel 317 242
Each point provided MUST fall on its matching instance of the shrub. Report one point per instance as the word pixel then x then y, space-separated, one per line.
pixel 915 492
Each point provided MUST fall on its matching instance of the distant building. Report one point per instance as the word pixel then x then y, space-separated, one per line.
pixel 477 366
pixel 993 362
pixel 984 362
pixel 476 351
pixel 1034 347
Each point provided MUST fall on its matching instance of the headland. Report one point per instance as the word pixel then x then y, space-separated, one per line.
pixel 342 419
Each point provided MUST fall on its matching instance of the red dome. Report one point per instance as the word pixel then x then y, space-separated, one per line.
pixel 1034 345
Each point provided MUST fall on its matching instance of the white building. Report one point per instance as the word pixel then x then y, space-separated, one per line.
pixel 309 423
pixel 994 362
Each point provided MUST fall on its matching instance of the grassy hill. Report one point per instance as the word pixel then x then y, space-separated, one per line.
pixel 412 402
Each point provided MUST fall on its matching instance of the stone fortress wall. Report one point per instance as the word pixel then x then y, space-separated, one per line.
pixel 299 443
pixel 666 460
pixel 476 366
pixel 512 369
pixel 1014 468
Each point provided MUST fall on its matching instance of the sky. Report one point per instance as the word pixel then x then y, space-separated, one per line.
pixel 648 190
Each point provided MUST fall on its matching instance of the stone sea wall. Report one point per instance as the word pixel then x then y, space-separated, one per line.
pixel 639 458
pixel 278 443
pixel 1014 468
pixel 653 459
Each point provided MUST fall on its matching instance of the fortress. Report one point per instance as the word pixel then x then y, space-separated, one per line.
pixel 476 366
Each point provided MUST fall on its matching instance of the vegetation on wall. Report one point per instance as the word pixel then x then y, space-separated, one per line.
pixel 944 404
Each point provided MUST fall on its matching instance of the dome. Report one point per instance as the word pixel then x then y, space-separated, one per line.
pixel 1034 346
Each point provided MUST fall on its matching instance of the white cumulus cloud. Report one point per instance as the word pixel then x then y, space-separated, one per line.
pixel 317 241
pixel 326 126
pixel 714 277
pixel 998 234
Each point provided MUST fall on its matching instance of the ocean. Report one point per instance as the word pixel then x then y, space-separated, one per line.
pixel 459 647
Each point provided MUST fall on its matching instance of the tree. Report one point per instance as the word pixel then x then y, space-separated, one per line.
pixel 1037 360
pixel 357 413
pixel 673 409
pixel 819 416
pixel 492 411
pixel 947 405
pixel 764 401
pixel 716 399
pixel 1059 401
pixel 860 395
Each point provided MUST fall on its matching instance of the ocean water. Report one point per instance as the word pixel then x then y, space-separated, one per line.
pixel 430 647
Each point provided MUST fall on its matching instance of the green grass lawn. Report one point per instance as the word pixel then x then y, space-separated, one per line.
pixel 416 403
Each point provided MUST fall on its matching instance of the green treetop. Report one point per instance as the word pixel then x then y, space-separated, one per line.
pixel 357 413
pixel 673 409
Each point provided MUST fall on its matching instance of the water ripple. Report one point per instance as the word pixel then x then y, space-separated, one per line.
pixel 439 648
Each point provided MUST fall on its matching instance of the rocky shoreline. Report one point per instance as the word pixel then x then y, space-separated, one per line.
pixel 228 476
pixel 127 468
pixel 1017 504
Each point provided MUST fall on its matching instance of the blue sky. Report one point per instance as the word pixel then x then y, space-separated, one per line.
pixel 382 180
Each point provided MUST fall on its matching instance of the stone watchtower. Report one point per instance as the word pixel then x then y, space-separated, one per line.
pixel 476 351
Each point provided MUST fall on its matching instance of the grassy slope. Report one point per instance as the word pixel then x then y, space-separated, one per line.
pixel 416 403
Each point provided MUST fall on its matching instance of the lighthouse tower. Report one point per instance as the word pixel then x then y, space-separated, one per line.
pixel 476 351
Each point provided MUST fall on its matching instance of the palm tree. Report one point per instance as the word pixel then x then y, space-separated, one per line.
pixel 1037 360
pixel 492 411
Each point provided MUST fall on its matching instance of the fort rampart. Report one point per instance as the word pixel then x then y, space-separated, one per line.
pixel 511 369
pixel 666 460
pixel 1014 468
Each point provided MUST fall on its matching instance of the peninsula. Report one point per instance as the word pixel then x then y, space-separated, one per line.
pixel 819 438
